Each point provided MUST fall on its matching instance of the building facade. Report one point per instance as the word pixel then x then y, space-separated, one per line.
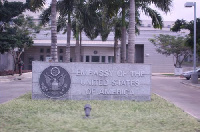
pixel 97 51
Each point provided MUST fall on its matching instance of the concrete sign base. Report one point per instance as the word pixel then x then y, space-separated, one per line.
pixel 86 81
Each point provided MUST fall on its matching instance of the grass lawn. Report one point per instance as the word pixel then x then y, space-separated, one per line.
pixel 26 115
pixel 171 75
pixel 168 74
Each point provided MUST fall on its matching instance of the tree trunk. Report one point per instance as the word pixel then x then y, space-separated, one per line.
pixel 54 54
pixel 81 46
pixel 123 37
pixel 116 51
pixel 77 51
pixel 77 46
pixel 67 54
pixel 123 45
pixel 131 37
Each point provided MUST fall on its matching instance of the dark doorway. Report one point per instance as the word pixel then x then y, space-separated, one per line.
pixel 139 53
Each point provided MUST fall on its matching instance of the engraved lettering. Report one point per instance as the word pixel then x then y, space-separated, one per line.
pixel 88 91
pixel 100 73
pixel 121 73
pixel 125 83
pixel 137 73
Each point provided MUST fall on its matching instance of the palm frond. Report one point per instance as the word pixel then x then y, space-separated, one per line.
pixel 155 16
pixel 36 5
pixel 45 16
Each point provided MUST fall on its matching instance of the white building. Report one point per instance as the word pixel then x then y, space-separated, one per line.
pixel 97 51
pixel 103 51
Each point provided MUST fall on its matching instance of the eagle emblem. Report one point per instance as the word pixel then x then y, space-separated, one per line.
pixel 55 82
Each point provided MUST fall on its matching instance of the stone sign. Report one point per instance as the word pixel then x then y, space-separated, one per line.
pixel 86 81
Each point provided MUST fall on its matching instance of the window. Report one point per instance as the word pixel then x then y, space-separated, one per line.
pixel 95 58
pixel 41 58
pixel 61 50
pixel 61 59
pixel 110 59
pixel 103 59
pixel 87 59
pixel 48 50
pixel 41 50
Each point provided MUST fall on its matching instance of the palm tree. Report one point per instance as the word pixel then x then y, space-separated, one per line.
pixel 77 36
pixel 131 37
pixel 117 36
pixel 123 6
pixel 163 5
pixel 123 37
pixel 85 19
pixel 80 16
pixel 117 6
pixel 53 32
pixel 65 8
pixel 38 4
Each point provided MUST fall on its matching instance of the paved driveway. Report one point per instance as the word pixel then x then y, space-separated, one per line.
pixel 184 96
pixel 15 87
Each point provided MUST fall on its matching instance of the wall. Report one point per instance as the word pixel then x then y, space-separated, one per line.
pixel 160 63
pixel 35 53
pixel 6 61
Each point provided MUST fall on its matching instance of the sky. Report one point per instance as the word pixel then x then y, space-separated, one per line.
pixel 178 11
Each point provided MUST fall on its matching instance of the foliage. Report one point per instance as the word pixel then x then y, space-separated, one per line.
pixel 148 11
pixel 114 7
pixel 182 24
pixel 14 32
pixel 172 45
pixel 79 13
pixel 178 25
pixel 9 10
pixel 18 35
pixel 24 114
pixel 98 17
pixel 35 5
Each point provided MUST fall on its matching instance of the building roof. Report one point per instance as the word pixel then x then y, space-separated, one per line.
pixel 73 42
pixel 146 31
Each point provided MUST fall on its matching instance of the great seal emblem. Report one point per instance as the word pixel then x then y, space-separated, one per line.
pixel 54 82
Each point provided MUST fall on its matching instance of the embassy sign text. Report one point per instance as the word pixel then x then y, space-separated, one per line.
pixel 83 81
pixel 105 79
